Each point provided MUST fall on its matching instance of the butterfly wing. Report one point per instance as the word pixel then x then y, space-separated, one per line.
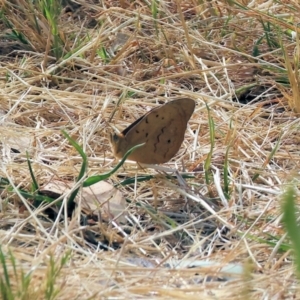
pixel 161 129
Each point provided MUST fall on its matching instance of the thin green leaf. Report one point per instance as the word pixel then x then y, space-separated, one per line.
pixel 290 222
pixel 207 163
pixel 84 166
pixel 34 182
pixel 94 179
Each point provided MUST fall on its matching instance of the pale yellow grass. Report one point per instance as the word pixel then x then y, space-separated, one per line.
pixel 82 95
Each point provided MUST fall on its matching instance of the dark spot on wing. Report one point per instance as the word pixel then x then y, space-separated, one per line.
pixel 158 139
pixel 146 134
pixel 137 131
pixel 147 120
pixel 169 141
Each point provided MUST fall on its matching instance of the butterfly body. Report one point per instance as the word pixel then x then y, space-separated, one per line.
pixel 161 129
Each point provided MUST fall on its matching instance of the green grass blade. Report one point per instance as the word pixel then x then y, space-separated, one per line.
pixel 270 156
pixel 5 285
pixel 226 171
pixel 207 163
pixel 291 224
pixel 94 179
pixel 34 182
pixel 71 201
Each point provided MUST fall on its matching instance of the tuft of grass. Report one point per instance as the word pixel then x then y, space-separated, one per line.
pixel 16 284
pixel 51 10
pixel 13 285
pixel 33 23
pixel 53 272
pixel 103 54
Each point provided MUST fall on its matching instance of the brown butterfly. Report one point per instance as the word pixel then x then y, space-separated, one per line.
pixel 161 129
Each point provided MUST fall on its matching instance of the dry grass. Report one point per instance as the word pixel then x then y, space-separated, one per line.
pixel 241 63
